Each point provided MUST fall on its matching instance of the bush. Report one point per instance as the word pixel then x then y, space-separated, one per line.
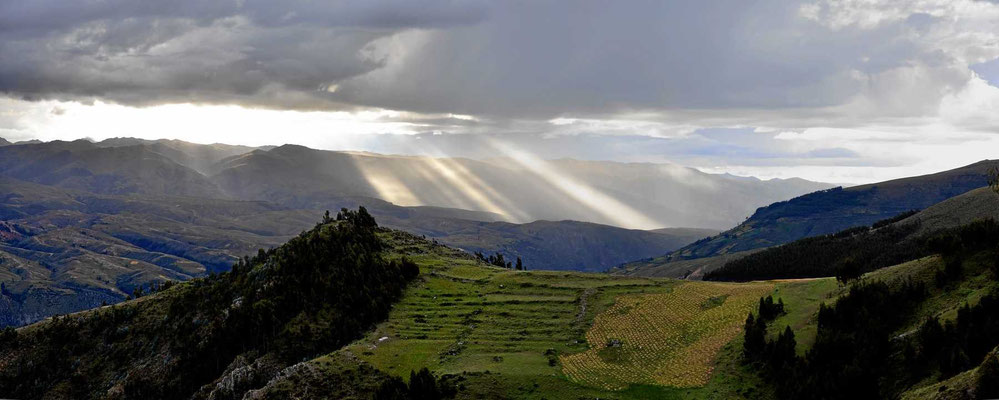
pixel 409 269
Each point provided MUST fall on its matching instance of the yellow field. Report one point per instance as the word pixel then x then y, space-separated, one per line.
pixel 668 339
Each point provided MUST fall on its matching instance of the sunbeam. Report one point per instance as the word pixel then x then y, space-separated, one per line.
pixel 388 186
pixel 608 207
pixel 484 195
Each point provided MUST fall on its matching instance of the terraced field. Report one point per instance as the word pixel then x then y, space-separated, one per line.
pixel 470 318
pixel 564 335
pixel 666 339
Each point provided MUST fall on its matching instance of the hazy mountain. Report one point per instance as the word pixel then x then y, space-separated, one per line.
pixel 83 165
pixel 652 195
pixel 199 157
pixel 4 142
pixel 691 234
pixel 552 245
pixel 820 213
pixel 627 195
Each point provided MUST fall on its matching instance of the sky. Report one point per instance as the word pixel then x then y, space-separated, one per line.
pixel 850 91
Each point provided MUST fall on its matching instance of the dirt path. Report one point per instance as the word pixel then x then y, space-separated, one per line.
pixel 583 298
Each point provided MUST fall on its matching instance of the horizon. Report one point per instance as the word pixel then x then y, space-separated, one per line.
pixel 844 184
pixel 373 153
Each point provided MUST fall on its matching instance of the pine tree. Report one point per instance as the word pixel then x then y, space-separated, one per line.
pixel 754 342
pixel 423 385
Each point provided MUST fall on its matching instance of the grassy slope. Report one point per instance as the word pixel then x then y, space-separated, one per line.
pixel 802 298
pixel 943 304
pixel 498 329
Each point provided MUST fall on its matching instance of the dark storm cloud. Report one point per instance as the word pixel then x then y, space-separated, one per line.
pixel 501 60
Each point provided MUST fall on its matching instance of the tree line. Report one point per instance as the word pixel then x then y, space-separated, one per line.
pixel 499 261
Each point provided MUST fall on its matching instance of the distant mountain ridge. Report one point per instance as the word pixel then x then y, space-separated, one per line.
pixel 556 245
pixel 819 213
pixel 669 194
pixel 82 165
pixel 646 195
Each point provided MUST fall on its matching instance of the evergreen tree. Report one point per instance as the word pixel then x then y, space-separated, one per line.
pixel 755 339
pixel 988 378
pixel 392 388
pixel 423 386
pixel 783 354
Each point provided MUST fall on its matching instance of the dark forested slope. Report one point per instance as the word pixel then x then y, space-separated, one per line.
pixel 215 337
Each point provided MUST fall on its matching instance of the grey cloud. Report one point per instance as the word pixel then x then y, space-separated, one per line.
pixel 274 54
pixel 499 60
pixel 542 58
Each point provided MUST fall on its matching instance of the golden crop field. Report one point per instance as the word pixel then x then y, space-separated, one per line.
pixel 668 339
